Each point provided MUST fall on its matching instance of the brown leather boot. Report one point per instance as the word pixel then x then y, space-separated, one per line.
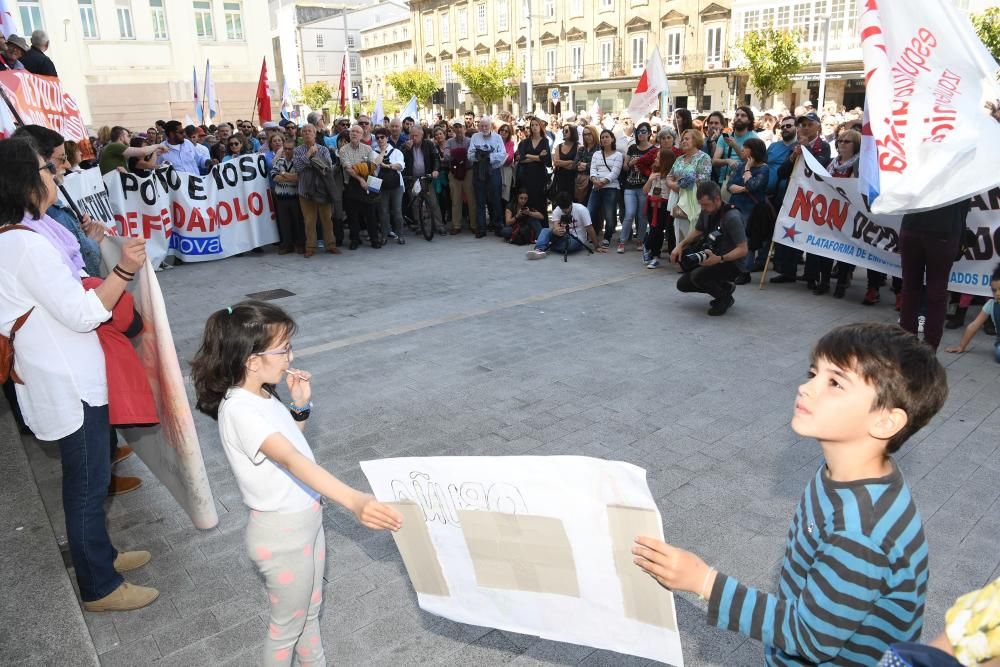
pixel 121 485
pixel 124 598
pixel 122 452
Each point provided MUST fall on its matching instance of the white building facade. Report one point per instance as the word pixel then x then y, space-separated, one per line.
pixel 129 62
pixel 385 48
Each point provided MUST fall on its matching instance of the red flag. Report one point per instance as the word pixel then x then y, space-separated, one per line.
pixel 263 95
pixel 343 84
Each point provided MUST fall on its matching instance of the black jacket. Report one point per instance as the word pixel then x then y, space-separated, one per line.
pixel 432 161
pixel 36 62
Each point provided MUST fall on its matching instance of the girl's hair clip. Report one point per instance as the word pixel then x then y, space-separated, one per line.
pixel 229 310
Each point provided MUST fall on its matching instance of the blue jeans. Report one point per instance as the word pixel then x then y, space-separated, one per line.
pixel 488 192
pixel 635 209
pixel 86 472
pixel 601 206
pixel 557 244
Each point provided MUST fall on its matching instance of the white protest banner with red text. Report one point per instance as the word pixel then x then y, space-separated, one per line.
pixel 826 216
pixel 931 88
pixel 170 449
pixel 41 100
pixel 196 218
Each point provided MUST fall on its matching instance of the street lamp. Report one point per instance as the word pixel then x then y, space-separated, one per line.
pixel 822 63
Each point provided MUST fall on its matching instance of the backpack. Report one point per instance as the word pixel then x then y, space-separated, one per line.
pixel 7 342
pixel 522 234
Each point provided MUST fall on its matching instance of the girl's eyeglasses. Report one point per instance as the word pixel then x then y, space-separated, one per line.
pixel 286 351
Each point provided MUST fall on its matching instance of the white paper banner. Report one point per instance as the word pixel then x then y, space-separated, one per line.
pixel 196 218
pixel 930 84
pixel 827 216
pixel 170 449
pixel 89 194
pixel 573 493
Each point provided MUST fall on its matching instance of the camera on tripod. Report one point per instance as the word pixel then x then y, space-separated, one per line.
pixel 692 260
pixel 566 220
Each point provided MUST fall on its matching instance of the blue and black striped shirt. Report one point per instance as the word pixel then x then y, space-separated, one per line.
pixel 853 581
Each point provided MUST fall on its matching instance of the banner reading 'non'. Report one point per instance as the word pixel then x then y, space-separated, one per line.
pixel 826 216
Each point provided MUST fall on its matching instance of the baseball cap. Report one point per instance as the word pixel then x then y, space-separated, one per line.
pixel 458 121
pixel 284 122
pixel 271 125
pixel 808 116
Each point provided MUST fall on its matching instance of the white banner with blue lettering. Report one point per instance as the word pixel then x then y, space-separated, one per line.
pixel 196 218
pixel 827 216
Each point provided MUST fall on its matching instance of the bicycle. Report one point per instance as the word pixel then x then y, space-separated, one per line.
pixel 424 219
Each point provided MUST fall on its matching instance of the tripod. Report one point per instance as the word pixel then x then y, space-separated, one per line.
pixel 570 237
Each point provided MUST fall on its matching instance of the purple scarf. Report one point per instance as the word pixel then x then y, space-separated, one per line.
pixel 63 241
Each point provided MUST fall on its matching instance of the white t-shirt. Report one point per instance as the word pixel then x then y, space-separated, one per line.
pixel 245 421
pixel 580 215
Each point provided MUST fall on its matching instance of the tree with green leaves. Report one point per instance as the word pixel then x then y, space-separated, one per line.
pixel 987 27
pixel 413 82
pixel 315 95
pixel 490 82
pixel 770 57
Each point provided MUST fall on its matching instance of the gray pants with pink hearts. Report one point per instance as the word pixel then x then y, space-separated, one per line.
pixel 289 549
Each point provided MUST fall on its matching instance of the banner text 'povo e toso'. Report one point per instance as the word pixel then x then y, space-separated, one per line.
pixel 196 218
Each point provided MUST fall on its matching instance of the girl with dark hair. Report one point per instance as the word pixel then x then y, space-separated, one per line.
pixel 661 223
pixel 236 145
pixel 635 179
pixel 747 186
pixel 564 161
pixel 245 352
pixel 682 121
pixel 533 162
pixel 59 366
pixel 605 170
pixel 519 212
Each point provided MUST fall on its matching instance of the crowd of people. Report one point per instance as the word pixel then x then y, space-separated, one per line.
pixel 635 184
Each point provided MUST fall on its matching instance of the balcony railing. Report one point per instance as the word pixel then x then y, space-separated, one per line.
pixel 619 70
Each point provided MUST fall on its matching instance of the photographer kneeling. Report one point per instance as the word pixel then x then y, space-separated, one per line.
pixel 568 231
pixel 710 253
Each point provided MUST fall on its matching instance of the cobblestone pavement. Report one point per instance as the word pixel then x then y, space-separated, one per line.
pixel 462 347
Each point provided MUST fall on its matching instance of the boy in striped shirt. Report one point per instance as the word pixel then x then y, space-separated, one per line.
pixel 854 576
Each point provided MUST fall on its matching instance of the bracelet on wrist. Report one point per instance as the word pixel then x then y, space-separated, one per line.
pixel 123 275
pixel 118 267
pixel 294 408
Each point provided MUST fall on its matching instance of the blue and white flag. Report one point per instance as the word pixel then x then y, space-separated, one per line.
pixel 410 110
pixel 199 112
pixel 210 91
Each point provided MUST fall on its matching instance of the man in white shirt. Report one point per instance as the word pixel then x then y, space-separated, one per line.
pixel 568 232
pixel 181 153
pixel 196 136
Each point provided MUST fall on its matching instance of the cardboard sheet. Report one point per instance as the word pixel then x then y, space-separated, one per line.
pixel 520 552
pixel 644 599
pixel 419 556
pixel 527 544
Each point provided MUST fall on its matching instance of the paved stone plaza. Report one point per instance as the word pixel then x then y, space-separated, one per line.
pixel 462 347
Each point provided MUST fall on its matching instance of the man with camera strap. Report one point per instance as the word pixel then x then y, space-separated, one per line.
pixel 710 253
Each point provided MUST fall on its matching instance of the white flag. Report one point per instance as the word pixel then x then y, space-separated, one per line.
pixel 210 91
pixel 286 101
pixel 595 111
pixel 7 125
pixel 410 110
pixel 378 115
pixel 930 82
pixel 653 82
pixel 8 26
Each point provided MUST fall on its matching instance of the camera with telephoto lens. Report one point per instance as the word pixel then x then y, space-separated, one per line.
pixel 566 220
pixel 692 260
